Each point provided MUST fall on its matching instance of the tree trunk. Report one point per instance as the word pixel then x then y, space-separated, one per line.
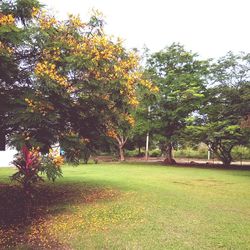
pixel 2 141
pixel 226 159
pixel 121 151
pixel 121 141
pixel 169 154
pixel 226 162
pixel 223 154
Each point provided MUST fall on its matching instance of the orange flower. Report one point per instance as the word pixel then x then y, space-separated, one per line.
pixel 7 20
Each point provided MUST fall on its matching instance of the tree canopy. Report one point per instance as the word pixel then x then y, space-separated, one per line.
pixel 180 77
pixel 71 77
pixel 218 123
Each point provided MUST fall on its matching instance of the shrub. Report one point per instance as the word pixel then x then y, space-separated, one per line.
pixel 241 153
pixel 30 164
pixel 134 153
pixel 188 152
pixel 155 153
pixel 238 153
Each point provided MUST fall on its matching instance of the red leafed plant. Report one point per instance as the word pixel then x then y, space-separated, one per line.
pixel 28 164
pixel 31 164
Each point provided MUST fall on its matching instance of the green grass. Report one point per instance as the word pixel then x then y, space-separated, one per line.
pixel 136 206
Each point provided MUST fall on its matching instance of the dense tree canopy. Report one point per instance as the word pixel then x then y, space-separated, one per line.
pixel 61 81
pixel 74 77
pixel 227 104
pixel 180 77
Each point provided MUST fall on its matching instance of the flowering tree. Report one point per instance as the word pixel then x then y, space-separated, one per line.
pixel 71 77
pixel 120 131
pixel 18 53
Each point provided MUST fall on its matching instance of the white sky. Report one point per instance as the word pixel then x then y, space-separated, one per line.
pixel 209 27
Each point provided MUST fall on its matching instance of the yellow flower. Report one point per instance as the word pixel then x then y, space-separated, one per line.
pixel 133 101
pixel 58 160
pixel 35 12
pixel 75 21
pixel 111 133
pixel 49 69
pixel 46 21
pixel 7 20
pixel 130 120
pixel 4 48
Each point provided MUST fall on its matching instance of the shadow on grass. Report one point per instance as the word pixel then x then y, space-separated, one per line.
pixel 17 214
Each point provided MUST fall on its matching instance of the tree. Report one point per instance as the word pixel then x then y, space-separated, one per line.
pixel 17 56
pixel 125 125
pixel 78 79
pixel 119 131
pixel 219 123
pixel 179 75
pixel 76 148
pixel 14 57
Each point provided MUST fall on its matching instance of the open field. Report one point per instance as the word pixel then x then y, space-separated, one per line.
pixel 130 206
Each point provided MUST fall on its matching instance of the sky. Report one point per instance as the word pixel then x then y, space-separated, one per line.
pixel 210 28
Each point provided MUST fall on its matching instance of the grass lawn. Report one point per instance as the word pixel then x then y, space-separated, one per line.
pixel 130 206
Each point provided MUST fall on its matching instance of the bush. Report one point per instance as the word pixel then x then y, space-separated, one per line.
pixel 134 153
pixel 188 152
pixel 238 153
pixel 31 164
pixel 241 153
pixel 131 153
pixel 155 153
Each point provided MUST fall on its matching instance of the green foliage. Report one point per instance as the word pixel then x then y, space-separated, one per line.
pixel 58 77
pixel 155 153
pixel 62 76
pixel 218 123
pixel 76 148
pixel 231 73
pixel 180 77
pixel 30 165
pixel 134 153
pixel 50 168
pixel 241 153
pixel 188 152
pixel 238 153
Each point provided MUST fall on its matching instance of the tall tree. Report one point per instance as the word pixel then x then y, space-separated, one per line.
pixel 221 122
pixel 79 81
pixel 131 123
pixel 179 75
pixel 15 57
